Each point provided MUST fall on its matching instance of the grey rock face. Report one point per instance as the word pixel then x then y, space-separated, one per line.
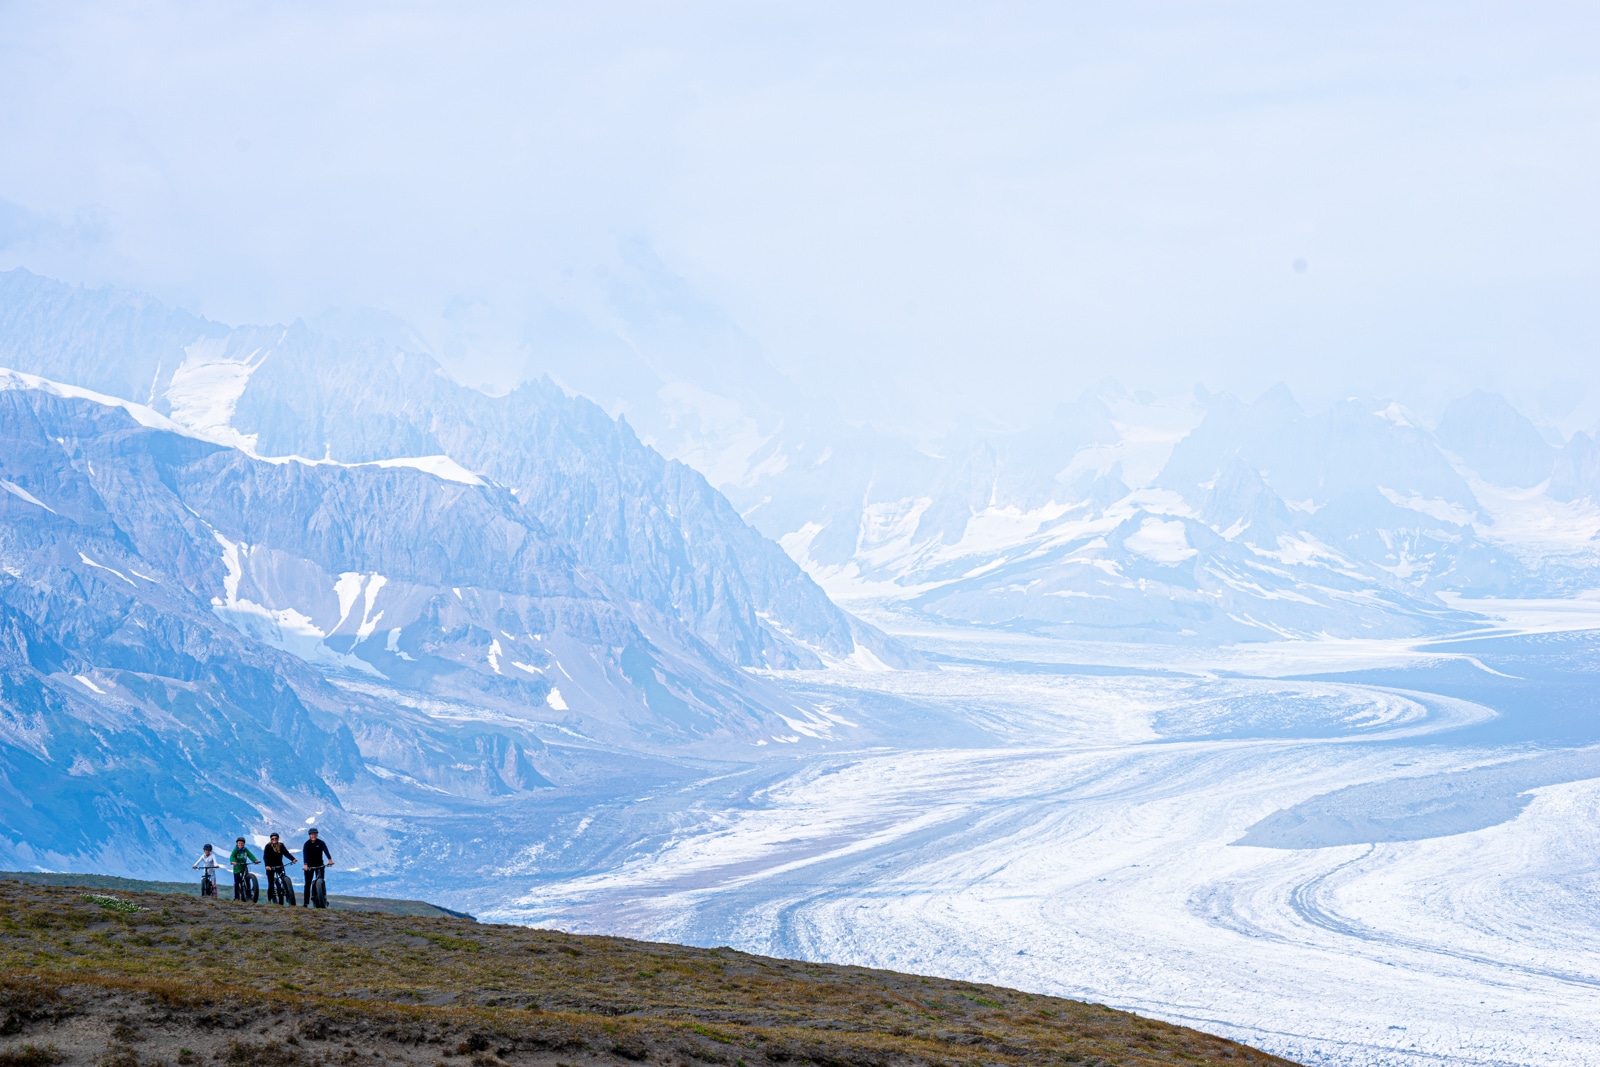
pixel 653 530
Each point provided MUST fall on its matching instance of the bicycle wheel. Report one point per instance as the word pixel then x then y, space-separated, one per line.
pixel 252 889
pixel 319 893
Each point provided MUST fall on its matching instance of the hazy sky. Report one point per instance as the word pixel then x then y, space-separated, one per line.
pixel 925 211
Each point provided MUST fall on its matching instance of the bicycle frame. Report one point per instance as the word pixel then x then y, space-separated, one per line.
pixel 317 890
pixel 250 885
pixel 280 887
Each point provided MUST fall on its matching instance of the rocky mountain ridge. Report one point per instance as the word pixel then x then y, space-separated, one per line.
pixel 654 530
pixel 192 635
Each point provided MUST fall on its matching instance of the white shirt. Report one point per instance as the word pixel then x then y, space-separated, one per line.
pixel 208 861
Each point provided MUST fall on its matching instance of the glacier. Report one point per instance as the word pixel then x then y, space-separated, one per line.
pixel 1182 841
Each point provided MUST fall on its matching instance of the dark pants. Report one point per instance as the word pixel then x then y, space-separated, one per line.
pixel 311 876
pixel 238 885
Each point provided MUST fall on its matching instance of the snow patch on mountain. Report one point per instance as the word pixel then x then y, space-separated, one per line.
pixel 439 466
pixel 287 629
pixel 17 491
pixel 205 389
pixel 1442 510
pixel 143 415
pixel 1161 541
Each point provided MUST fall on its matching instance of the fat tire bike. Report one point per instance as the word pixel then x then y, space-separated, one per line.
pixel 280 887
pixel 251 887
pixel 208 882
pixel 317 891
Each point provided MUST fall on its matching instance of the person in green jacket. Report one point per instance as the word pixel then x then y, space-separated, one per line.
pixel 240 857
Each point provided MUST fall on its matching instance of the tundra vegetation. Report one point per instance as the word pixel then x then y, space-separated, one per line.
pixel 182 981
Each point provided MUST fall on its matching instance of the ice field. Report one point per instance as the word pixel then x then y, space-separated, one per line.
pixel 1340 869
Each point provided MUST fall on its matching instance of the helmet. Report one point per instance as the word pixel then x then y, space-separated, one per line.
pixel 208 847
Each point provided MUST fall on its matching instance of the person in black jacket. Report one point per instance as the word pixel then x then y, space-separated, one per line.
pixel 274 855
pixel 316 855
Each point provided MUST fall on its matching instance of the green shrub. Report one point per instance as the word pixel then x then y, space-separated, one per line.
pixel 112 903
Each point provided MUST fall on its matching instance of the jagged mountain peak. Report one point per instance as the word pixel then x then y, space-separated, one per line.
pixel 1238 503
pixel 1277 401
pixel 1496 440
pixel 654 530
pixel 1575 475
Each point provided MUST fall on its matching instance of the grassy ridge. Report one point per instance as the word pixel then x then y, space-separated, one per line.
pixel 414 988
pixel 337 901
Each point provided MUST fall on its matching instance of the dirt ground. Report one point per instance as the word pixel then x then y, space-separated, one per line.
pixel 131 1025
pixel 154 980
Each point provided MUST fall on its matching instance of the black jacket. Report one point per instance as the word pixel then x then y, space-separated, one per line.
pixel 274 855
pixel 315 853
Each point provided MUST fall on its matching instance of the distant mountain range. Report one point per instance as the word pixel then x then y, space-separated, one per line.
pixel 1193 518
pixel 1125 516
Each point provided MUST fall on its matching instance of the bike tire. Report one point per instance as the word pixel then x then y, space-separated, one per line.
pixel 252 889
pixel 319 894
pixel 280 889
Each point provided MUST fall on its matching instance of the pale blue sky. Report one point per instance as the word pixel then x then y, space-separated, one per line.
pixel 925 211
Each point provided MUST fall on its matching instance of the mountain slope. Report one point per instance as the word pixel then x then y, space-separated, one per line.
pixel 653 530
pixel 191 635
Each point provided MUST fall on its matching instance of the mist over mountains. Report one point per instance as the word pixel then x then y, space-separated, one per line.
pixel 1126 515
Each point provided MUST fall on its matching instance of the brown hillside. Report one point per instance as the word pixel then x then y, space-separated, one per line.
pixel 186 982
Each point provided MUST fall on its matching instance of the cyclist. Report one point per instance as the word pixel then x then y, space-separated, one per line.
pixel 278 883
pixel 241 857
pixel 316 854
pixel 208 864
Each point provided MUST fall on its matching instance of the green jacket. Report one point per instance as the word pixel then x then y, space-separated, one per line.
pixel 239 857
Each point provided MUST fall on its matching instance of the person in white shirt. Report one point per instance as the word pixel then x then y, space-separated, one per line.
pixel 209 863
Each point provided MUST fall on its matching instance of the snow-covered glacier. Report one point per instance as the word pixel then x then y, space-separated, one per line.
pixel 1382 860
